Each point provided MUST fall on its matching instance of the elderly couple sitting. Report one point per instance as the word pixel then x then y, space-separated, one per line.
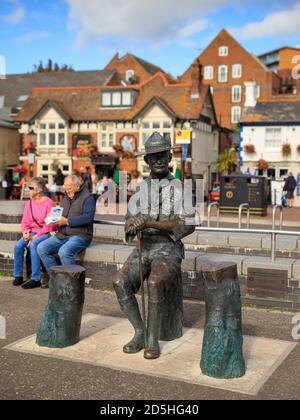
pixel 72 233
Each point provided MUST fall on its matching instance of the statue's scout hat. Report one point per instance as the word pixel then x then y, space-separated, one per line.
pixel 157 143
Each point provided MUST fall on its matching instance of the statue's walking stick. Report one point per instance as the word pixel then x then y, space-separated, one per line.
pixel 139 237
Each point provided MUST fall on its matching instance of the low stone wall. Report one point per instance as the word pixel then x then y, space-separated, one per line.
pixel 102 262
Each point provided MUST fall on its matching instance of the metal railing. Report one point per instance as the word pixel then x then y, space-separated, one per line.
pixel 274 236
pixel 241 209
pixel 275 210
pixel 273 233
pixel 211 205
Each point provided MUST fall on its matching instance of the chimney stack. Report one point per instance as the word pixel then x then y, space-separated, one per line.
pixel 196 76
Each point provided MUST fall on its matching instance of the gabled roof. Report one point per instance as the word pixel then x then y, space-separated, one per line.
pixel 272 112
pixel 225 33
pixel 51 105
pixel 155 101
pixel 83 104
pixel 149 67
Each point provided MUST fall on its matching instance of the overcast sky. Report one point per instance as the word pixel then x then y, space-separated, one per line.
pixel 169 33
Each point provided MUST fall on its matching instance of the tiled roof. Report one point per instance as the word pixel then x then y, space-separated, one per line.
pixel 83 104
pixel 149 67
pixel 7 124
pixel 16 86
pixel 273 112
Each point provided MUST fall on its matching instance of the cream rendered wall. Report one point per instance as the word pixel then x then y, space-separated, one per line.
pixel 256 136
pixel 48 154
pixel 156 114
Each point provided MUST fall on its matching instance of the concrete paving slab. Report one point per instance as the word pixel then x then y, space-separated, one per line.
pixel 11 228
pixel 252 241
pixel 213 239
pixel 102 338
pixel 191 239
pixel 105 232
pixel 101 253
pixel 283 243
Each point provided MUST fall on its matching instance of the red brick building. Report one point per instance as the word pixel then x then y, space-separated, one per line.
pixel 226 66
pixel 285 62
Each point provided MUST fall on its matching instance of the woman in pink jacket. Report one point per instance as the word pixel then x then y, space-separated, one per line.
pixel 35 231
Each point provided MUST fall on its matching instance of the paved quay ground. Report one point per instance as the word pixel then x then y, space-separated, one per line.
pixel 32 376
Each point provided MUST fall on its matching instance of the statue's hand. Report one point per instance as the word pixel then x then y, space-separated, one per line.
pixel 135 224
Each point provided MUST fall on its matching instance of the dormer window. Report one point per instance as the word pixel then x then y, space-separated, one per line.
pixel 130 76
pixel 223 51
pixel 117 99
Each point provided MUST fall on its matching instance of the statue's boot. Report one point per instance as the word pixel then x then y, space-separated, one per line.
pixel 131 310
pixel 154 314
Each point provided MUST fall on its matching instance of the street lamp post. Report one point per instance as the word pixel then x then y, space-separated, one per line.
pixel 31 154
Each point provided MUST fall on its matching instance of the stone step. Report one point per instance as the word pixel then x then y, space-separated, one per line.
pixel 225 243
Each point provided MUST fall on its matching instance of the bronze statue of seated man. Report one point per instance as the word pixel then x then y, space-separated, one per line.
pixel 155 211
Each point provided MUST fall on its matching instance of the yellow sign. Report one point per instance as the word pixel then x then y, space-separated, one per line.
pixel 229 194
pixel 183 137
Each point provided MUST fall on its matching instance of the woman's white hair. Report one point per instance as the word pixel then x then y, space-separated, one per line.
pixel 38 183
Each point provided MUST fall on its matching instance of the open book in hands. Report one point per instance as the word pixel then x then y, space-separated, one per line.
pixel 54 216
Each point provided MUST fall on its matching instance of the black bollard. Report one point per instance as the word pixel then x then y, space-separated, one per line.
pixel 60 326
pixel 222 352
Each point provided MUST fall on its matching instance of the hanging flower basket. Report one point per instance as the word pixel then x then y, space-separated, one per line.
pixel 87 151
pixel 249 148
pixel 262 165
pixel 286 149
pixel 19 170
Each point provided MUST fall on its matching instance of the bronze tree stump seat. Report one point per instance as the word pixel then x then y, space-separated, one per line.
pixel 222 351
pixel 60 326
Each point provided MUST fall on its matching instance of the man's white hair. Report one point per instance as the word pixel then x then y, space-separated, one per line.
pixel 74 179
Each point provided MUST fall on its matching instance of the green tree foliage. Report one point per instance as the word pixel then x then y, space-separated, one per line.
pixel 51 66
pixel 226 162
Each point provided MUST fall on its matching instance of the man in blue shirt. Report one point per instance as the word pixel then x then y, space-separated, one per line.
pixel 75 226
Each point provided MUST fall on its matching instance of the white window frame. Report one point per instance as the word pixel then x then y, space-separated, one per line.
pixel 109 130
pixel 50 174
pixel 236 98
pixel 47 131
pixel 237 74
pixel 208 72
pixel 236 110
pixel 273 138
pixel 112 103
pixel 220 73
pixel 223 51
pixel 145 133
